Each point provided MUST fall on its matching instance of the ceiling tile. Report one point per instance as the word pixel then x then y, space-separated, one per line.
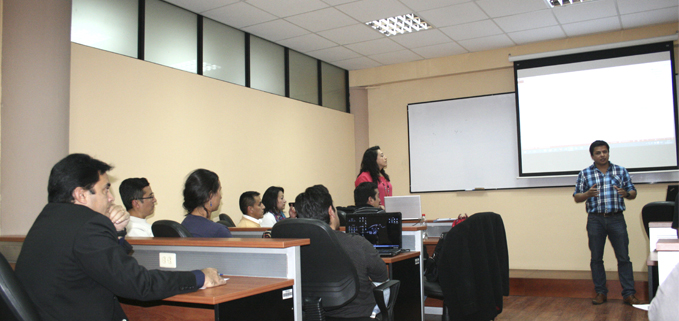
pixel 396 57
pixel 201 6
pixel 454 15
pixel 324 19
pixel 337 2
pixel 440 50
pixel 471 30
pixel 288 7
pixel 632 6
pixel 635 20
pixel 308 42
pixel 351 34
pixel 420 5
pixel 421 38
pixel 585 11
pixel 276 30
pixel 374 47
pixel 535 35
pixel 369 10
pixel 333 54
pixel 592 26
pixel 486 43
pixel 357 63
pixel 525 21
pixel 495 8
pixel 239 15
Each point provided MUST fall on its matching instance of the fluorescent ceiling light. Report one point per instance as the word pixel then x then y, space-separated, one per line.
pixel 399 25
pixel 561 3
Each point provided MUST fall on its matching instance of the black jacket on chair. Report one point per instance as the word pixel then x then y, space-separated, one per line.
pixel 474 268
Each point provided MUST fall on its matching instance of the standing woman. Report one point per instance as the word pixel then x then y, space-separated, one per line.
pixel 372 170
pixel 274 204
pixel 202 196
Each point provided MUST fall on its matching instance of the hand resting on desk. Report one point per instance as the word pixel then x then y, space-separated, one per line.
pixel 212 278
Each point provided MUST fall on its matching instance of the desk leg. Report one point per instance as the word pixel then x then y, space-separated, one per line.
pixel 265 306
pixel 652 281
pixel 409 301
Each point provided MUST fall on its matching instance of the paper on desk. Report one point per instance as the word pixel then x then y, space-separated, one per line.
pixel 642 306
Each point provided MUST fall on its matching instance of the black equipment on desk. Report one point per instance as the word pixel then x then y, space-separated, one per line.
pixel 383 230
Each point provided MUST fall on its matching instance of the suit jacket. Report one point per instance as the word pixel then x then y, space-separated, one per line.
pixel 73 268
pixel 474 268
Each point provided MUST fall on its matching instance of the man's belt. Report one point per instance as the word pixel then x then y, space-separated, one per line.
pixel 608 214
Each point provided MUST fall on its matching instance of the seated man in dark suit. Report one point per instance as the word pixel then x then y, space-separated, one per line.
pixel 367 199
pixel 316 202
pixel 71 263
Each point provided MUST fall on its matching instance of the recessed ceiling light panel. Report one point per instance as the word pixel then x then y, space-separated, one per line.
pixel 561 3
pixel 399 25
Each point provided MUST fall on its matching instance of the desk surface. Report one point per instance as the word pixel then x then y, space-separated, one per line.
pixel 668 245
pixel 400 257
pixel 431 241
pixel 217 242
pixel 236 287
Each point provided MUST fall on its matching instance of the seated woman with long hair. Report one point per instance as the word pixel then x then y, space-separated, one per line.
pixel 274 204
pixel 202 196
pixel 372 170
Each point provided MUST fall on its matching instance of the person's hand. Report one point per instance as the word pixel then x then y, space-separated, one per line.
pixel 623 193
pixel 592 192
pixel 119 216
pixel 212 278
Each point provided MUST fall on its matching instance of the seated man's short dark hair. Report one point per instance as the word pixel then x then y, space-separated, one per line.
pixel 132 189
pixel 363 191
pixel 596 144
pixel 314 203
pixel 75 170
pixel 246 200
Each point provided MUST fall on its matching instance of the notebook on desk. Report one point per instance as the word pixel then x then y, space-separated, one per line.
pixel 382 230
pixel 409 206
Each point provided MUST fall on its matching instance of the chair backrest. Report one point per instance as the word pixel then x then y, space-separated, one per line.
pixel 168 228
pixel 227 220
pixel 327 270
pixel 657 212
pixel 15 303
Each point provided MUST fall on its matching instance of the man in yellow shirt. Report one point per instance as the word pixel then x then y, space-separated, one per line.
pixel 252 208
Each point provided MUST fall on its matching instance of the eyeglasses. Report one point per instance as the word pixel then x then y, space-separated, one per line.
pixel 147 198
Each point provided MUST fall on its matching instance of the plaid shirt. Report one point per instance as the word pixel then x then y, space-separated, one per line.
pixel 608 201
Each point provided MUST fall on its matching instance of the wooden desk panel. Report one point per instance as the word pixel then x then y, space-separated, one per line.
pixel 236 287
pixel 218 242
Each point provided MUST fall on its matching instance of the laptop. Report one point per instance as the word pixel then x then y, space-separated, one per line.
pixel 408 205
pixel 382 230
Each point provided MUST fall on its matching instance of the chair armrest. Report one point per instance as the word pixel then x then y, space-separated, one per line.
pixel 387 309
pixel 313 309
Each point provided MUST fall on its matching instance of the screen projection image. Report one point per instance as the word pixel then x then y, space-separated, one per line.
pixel 624 96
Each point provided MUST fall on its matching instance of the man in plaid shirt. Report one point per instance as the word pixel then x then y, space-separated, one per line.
pixel 604 186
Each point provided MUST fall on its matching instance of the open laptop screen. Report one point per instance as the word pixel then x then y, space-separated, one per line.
pixel 383 230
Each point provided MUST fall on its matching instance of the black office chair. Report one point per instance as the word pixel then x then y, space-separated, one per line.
pixel 329 278
pixel 657 212
pixel 226 220
pixel 168 228
pixel 433 288
pixel 15 303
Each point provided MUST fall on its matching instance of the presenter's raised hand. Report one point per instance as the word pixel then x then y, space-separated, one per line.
pixel 592 191
pixel 623 193
pixel 212 278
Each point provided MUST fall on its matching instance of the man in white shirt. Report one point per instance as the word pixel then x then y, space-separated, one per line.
pixel 252 208
pixel 140 202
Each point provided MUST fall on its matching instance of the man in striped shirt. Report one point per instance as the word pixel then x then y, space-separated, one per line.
pixel 604 186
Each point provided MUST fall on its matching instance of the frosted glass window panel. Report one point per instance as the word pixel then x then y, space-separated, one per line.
pixel 171 36
pixel 303 77
pixel 334 87
pixel 267 66
pixel 107 25
pixel 223 52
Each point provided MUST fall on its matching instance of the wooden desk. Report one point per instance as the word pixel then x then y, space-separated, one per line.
pixel 406 268
pixel 241 298
pixel 668 257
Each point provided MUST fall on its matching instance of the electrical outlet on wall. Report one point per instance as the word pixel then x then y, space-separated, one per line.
pixel 168 260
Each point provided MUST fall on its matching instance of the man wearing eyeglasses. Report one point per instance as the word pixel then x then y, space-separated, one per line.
pixel 140 202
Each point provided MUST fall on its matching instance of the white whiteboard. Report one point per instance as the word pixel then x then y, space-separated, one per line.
pixel 470 143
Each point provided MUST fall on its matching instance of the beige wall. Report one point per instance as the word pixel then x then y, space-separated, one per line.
pixel 545 228
pixel 161 123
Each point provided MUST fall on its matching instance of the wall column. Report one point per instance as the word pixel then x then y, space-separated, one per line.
pixel 34 127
